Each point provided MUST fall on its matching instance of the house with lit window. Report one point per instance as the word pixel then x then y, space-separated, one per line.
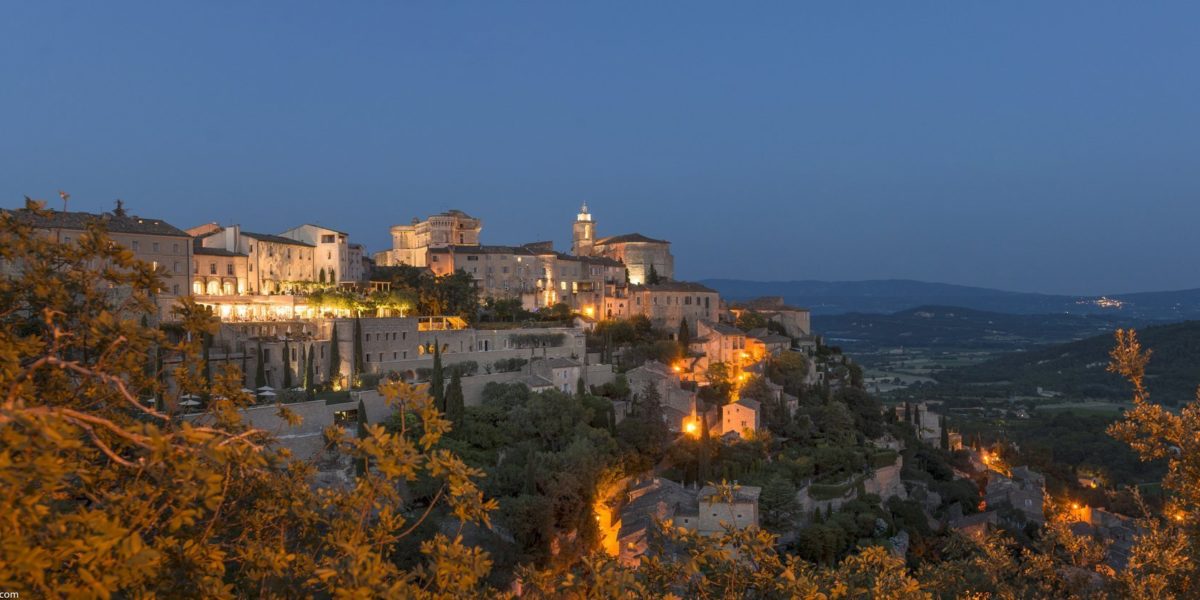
pixel 274 264
pixel 333 259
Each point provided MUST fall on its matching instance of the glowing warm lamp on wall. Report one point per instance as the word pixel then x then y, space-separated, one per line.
pixel 676 368
pixel 588 311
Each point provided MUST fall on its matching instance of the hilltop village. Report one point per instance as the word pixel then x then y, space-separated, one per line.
pixel 600 394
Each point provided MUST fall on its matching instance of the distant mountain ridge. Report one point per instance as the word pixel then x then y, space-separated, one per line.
pixel 894 295
pixel 957 328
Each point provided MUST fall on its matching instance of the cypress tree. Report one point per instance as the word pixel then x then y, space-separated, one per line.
pixel 207 341
pixel 360 464
pixel 287 364
pixel 335 357
pixel 310 373
pixel 455 411
pixel 358 369
pixel 436 385
pixel 702 470
pixel 945 433
pixel 685 335
pixel 907 412
pixel 302 368
pixel 260 373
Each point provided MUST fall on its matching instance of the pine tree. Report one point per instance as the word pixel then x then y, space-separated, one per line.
pixel 260 372
pixel 335 357
pixel 455 411
pixel 360 464
pixel 436 385
pixel 357 369
pixel 287 364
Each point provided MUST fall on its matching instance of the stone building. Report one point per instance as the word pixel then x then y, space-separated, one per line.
pixel 411 243
pixel 166 247
pixel 703 511
pixel 740 417
pixel 666 304
pixel 334 260
pixel 639 254
pixel 720 342
pixel 797 322
pixel 219 272
pixel 274 262
pixel 534 273
pixel 1024 490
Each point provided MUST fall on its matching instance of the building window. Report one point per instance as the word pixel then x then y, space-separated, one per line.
pixel 394 355
pixel 178 267
pixel 212 268
pixel 368 358
pixel 327 239
pixel 175 289
pixel 229 269
pixel 135 245
pixel 154 246
pixel 175 248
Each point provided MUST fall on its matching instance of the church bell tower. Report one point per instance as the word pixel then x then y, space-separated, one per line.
pixel 584 233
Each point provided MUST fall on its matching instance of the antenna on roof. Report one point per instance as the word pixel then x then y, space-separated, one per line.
pixel 65 196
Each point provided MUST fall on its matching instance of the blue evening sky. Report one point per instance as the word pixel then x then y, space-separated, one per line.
pixel 1039 146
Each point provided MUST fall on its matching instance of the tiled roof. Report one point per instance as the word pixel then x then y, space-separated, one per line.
pixel 57 219
pixel 276 239
pixel 559 363
pixel 206 251
pixel 745 493
pixel 318 227
pixel 629 238
pixel 676 286
pixel 748 403
pixel 722 328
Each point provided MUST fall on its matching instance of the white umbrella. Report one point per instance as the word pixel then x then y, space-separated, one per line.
pixel 247 391
pixel 266 388
pixel 266 393
pixel 189 400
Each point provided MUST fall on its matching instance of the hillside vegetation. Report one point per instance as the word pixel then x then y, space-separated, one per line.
pixel 1078 369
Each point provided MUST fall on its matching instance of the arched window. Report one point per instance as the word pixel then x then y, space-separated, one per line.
pixel 214 287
